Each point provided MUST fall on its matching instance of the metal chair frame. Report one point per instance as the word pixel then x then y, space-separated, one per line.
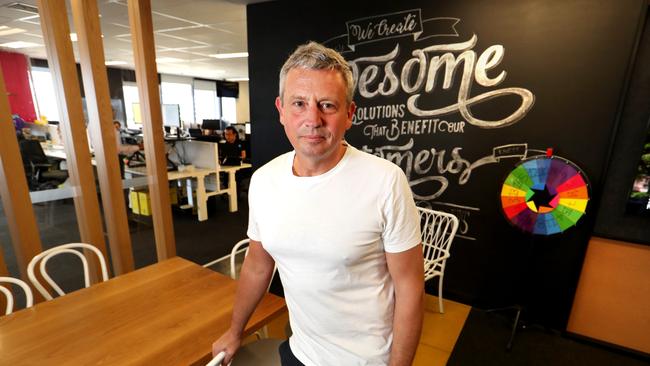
pixel 438 231
pixel 45 256
pixel 29 298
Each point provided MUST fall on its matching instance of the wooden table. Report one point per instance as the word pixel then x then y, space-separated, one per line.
pixel 168 313
pixel 202 194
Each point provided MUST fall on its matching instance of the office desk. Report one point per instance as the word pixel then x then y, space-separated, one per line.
pixel 232 184
pixel 58 152
pixel 199 174
pixel 168 313
pixel 54 151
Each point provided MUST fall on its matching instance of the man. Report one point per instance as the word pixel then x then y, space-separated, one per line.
pixel 233 147
pixel 123 149
pixel 340 224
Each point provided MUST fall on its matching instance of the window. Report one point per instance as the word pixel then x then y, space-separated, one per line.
pixel 206 105
pixel 44 92
pixel 229 106
pixel 178 90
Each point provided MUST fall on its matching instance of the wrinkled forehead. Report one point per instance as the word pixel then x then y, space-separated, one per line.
pixel 307 82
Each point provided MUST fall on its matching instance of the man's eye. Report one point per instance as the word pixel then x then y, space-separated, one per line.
pixel 328 107
pixel 298 103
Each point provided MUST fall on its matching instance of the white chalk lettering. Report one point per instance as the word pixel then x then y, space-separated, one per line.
pixel 420 74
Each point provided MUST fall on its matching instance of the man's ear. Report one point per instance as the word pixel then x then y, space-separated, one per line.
pixel 278 106
pixel 350 114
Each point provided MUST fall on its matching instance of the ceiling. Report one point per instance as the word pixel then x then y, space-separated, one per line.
pixel 186 34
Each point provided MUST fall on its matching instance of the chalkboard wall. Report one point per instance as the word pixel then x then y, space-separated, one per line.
pixel 456 93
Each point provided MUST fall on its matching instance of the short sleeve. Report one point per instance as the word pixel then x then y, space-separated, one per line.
pixel 402 223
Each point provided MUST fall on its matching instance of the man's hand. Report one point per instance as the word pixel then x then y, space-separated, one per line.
pixel 229 343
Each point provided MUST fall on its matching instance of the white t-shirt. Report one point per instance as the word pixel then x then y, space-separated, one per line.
pixel 328 235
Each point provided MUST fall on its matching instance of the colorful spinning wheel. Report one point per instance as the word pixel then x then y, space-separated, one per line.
pixel 545 195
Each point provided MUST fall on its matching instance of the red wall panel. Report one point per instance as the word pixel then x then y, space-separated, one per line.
pixel 15 71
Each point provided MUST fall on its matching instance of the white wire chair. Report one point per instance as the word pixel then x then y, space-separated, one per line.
pixel 438 231
pixel 29 298
pixel 45 256
pixel 240 247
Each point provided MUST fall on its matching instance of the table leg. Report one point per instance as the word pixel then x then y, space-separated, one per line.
pixel 201 198
pixel 232 191
pixel 190 194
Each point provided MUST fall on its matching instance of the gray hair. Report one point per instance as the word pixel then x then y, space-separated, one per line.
pixel 315 56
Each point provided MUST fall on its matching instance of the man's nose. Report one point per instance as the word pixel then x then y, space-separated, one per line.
pixel 313 116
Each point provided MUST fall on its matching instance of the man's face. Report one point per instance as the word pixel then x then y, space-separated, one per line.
pixel 117 126
pixel 230 136
pixel 314 112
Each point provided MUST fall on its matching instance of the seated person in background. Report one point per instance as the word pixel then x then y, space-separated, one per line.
pixel 232 152
pixel 123 149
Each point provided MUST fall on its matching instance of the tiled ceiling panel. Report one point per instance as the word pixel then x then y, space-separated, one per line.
pixel 187 30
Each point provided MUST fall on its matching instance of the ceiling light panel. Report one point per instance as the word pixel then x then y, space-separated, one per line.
pixel 6 31
pixel 230 55
pixel 20 44
pixel 115 63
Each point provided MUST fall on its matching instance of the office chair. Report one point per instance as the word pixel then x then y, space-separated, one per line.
pixel 38 167
pixel 262 352
pixel 29 299
pixel 438 231
pixel 65 248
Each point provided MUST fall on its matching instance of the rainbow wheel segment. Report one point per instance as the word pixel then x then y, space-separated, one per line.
pixel 559 172
pixel 537 171
pixel 546 225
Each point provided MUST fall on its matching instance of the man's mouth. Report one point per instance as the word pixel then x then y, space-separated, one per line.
pixel 313 138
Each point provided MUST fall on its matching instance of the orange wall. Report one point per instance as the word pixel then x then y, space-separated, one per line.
pixel 612 302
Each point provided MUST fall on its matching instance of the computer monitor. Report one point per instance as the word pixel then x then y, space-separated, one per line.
pixel 172 115
pixel 211 124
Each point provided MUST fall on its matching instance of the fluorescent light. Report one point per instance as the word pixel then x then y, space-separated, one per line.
pixel 115 63
pixel 20 44
pixel 25 19
pixel 168 59
pixel 5 31
pixel 73 37
pixel 230 55
pixel 237 79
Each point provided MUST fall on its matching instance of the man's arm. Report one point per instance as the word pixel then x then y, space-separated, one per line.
pixel 253 281
pixel 407 270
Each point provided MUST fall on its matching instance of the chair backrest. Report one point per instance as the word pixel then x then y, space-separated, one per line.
pixel 65 248
pixel 242 247
pixel 29 299
pixel 438 231
pixel 31 150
